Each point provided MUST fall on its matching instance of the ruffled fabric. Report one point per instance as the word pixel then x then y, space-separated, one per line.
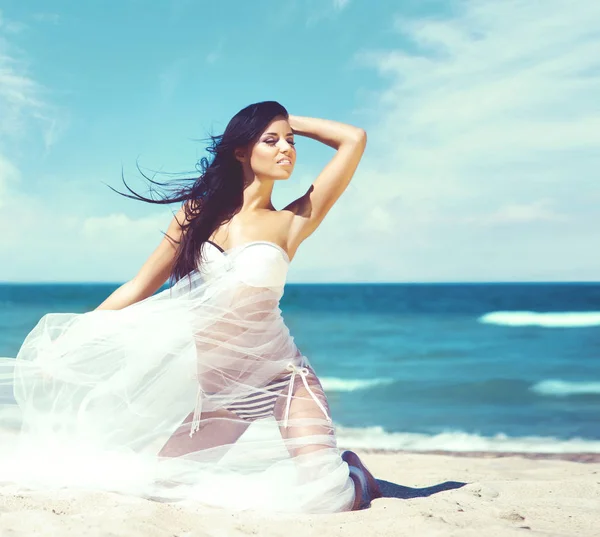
pixel 197 393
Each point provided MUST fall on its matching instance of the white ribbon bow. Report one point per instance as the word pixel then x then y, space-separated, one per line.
pixel 303 372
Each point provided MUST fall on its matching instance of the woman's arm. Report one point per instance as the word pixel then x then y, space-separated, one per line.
pixel 350 142
pixel 332 133
pixel 154 272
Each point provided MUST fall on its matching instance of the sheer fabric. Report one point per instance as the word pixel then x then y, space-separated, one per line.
pixel 197 393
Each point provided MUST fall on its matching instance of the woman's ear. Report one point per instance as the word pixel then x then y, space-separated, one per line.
pixel 240 154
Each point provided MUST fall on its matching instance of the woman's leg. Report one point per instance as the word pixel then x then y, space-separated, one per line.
pixel 305 417
pixel 303 407
pixel 218 428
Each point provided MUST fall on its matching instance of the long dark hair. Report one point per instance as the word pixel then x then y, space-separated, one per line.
pixel 217 195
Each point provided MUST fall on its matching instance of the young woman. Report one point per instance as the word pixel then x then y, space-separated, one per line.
pixel 199 392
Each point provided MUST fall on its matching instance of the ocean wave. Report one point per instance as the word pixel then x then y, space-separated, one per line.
pixel 566 319
pixel 378 438
pixel 333 384
pixel 563 388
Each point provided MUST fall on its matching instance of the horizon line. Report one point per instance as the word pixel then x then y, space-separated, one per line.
pixel 406 282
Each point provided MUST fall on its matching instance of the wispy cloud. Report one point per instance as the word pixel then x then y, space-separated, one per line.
pixel 93 248
pixel 21 95
pixel 217 53
pixel 482 161
pixel 319 10
pixel 520 213
pixel 52 18
pixel 22 111
pixel 490 115
pixel 170 78
pixel 65 236
pixel 8 176
pixel 340 4
pixel 9 26
pixel 18 95
pixel 18 99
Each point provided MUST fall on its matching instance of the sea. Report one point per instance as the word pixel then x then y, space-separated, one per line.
pixel 460 367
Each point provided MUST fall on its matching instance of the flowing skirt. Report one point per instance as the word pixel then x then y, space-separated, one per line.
pixel 195 394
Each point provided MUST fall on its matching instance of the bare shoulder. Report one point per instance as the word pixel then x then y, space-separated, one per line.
pixel 266 225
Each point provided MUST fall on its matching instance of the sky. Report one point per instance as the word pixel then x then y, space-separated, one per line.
pixel 483 123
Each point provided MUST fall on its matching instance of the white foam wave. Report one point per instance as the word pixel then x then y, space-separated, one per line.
pixel 563 388
pixel 566 319
pixel 378 438
pixel 333 384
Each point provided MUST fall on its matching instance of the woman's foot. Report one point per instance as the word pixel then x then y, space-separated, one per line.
pixel 366 487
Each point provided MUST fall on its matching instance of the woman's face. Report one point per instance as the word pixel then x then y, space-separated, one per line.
pixel 273 156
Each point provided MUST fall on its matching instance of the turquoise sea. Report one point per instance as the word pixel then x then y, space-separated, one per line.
pixel 498 367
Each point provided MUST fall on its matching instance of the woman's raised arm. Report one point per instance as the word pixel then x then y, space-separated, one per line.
pixel 153 273
pixel 310 209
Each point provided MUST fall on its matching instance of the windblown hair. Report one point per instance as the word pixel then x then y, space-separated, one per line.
pixel 217 195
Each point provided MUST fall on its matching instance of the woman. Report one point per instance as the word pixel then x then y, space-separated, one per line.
pixel 199 392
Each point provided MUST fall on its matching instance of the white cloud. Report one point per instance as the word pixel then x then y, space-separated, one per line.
pixel 9 26
pixel 318 10
pixel 8 176
pixel 22 106
pixel 18 96
pixel 52 18
pixel 72 248
pixel 340 4
pixel 40 242
pixel 482 161
pixel 18 103
pixel 26 225
pixel 170 78
pixel 120 228
pixel 489 116
pixel 515 213
pixel 217 53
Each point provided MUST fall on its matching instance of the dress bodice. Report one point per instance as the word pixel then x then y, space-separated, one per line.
pixel 256 263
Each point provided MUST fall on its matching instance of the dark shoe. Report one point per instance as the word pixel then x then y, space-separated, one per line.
pixel 369 486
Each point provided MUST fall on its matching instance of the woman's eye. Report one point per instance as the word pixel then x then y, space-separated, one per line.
pixel 270 142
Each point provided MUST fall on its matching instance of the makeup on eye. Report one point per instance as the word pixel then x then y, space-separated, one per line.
pixel 270 141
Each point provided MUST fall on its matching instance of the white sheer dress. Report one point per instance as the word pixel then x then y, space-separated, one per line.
pixel 197 393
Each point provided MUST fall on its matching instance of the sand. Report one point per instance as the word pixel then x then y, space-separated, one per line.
pixel 426 495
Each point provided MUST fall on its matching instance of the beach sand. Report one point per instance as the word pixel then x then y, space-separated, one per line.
pixel 426 495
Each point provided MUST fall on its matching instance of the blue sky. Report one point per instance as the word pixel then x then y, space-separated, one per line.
pixel 483 119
